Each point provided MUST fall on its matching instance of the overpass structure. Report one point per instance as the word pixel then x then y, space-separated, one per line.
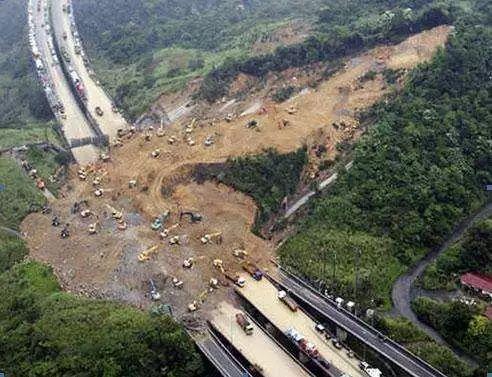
pixel 325 307
pixel 218 354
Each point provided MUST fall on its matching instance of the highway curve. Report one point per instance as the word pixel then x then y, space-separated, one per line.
pixel 403 289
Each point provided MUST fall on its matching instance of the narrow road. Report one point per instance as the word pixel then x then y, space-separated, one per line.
pixel 305 198
pixel 402 294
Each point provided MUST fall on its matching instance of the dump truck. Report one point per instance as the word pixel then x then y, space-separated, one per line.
pixel 287 300
pixel 236 279
pixel 253 270
pixel 242 321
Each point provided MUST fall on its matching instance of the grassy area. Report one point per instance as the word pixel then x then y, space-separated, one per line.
pixel 331 255
pixel 18 195
pixel 406 333
pixel 10 137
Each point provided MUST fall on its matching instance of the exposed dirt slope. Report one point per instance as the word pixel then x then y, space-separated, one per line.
pixel 106 264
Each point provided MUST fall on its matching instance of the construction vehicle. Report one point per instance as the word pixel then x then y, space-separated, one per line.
pixel 115 214
pixel 132 183
pixel 209 141
pixel 65 233
pixel 236 279
pixel 122 225
pixel 243 322
pixel 92 228
pixel 188 263
pixel 193 216
pixel 253 123
pixel 287 300
pixel 104 157
pixel 172 140
pixel 99 111
pixel 156 153
pixel 159 221
pixel 154 294
pixel 214 283
pixel 212 237
pixel 253 270
pixel 193 306
pixel 177 283
pixel 55 221
pixel 98 192
pixel 175 240
pixel 301 342
pixel 291 110
pixel 145 255
pixel 160 132
pixel 218 264
pixel 85 213
pixel 166 231
pixel 240 253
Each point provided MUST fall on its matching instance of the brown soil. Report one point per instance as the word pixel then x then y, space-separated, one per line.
pixel 105 264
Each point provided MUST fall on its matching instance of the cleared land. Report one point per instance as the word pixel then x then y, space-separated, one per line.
pixel 106 265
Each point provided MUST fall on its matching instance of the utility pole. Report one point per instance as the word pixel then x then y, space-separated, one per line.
pixel 334 267
pixel 357 257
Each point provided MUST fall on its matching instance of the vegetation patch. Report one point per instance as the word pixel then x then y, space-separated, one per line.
pixel 419 171
pixel 18 194
pixel 406 333
pixel 461 325
pixel 47 332
pixel 268 178
pixel 472 253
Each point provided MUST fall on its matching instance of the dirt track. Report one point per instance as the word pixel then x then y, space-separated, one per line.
pixel 106 264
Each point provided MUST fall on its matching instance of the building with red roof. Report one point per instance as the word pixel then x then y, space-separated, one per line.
pixel 480 283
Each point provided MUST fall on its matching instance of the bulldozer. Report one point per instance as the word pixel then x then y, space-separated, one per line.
pixel 159 221
pixel 188 263
pixel 145 255
pixel 93 228
pixel 115 214
pixel 212 237
pixel 219 264
pixel 240 253
pixel 154 294
pixel 194 217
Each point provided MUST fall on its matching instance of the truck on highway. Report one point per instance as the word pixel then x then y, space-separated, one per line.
pixel 253 270
pixel 242 321
pixel 287 300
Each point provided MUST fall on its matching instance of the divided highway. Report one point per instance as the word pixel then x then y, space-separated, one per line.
pixel 74 125
pixel 389 349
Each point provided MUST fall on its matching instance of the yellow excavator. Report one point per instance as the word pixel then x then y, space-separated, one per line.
pixel 145 255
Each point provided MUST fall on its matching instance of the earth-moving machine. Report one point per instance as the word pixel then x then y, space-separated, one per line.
pixel 194 217
pixel 159 221
pixel 253 270
pixel 65 233
pixel 212 237
pixel 154 294
pixel 236 279
pixel 240 253
pixel 244 323
pixel 145 255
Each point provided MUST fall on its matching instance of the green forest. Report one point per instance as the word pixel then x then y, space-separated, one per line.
pixel 473 253
pixel 419 170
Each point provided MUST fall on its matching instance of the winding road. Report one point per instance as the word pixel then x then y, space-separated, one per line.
pixel 403 290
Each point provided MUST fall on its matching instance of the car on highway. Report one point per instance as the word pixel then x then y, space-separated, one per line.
pixel 336 343
pixel 99 111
